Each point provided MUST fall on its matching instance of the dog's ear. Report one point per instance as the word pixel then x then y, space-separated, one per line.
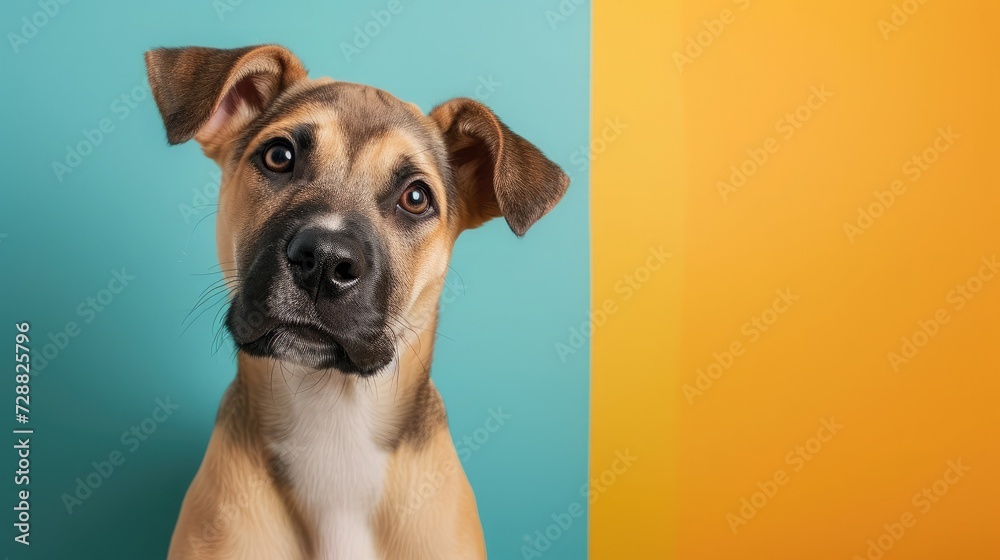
pixel 498 172
pixel 209 94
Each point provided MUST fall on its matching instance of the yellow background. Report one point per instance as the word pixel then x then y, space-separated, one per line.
pixel 655 184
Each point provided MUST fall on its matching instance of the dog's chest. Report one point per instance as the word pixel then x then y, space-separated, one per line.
pixel 334 467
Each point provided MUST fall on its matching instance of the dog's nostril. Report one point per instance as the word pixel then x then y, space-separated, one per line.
pixel 344 272
pixel 301 252
pixel 307 261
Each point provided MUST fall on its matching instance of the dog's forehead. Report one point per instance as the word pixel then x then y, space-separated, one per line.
pixel 357 114
pixel 357 141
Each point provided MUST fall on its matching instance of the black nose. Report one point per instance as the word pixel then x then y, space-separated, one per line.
pixel 326 260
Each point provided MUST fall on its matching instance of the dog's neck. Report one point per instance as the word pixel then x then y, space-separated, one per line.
pixel 330 434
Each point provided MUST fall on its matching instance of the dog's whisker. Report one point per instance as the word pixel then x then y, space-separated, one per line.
pixel 410 325
pixel 213 213
pixel 400 315
pixel 213 273
pixel 299 379
pixel 219 327
pixel 209 292
pixel 195 228
pixel 410 346
pixel 281 364
pixel 215 284
pixel 395 374
pixel 220 336
pixel 327 376
pixel 310 375
pixel 316 382
pixel 219 324
pixel 221 264
pixel 219 298
pixel 270 382
pixel 393 382
pixel 340 394
pixel 409 328
pixel 459 274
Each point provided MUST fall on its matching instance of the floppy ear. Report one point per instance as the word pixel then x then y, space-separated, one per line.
pixel 209 94
pixel 498 172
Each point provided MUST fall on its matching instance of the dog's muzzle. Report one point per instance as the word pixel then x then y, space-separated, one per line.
pixel 317 297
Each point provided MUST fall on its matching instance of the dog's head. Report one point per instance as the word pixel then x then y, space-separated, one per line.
pixel 339 203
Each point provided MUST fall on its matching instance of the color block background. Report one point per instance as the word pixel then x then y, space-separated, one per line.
pixel 711 85
pixel 136 203
pixel 794 332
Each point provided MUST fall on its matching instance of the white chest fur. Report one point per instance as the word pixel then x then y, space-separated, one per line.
pixel 334 466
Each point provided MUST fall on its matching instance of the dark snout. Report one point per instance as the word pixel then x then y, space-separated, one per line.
pixel 315 294
pixel 326 262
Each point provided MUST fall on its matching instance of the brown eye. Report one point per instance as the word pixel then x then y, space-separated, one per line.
pixel 415 199
pixel 278 157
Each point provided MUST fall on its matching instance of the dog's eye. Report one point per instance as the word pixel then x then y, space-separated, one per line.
pixel 278 157
pixel 415 199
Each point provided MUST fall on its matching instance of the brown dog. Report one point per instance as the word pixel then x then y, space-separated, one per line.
pixel 338 211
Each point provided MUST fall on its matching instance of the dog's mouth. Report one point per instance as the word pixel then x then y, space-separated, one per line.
pixel 304 344
pixel 314 346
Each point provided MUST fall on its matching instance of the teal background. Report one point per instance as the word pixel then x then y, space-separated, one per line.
pixel 511 300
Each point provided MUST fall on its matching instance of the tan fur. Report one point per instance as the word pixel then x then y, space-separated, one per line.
pixel 234 508
pixel 427 489
pixel 242 502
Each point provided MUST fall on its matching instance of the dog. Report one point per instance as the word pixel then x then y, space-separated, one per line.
pixel 338 210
